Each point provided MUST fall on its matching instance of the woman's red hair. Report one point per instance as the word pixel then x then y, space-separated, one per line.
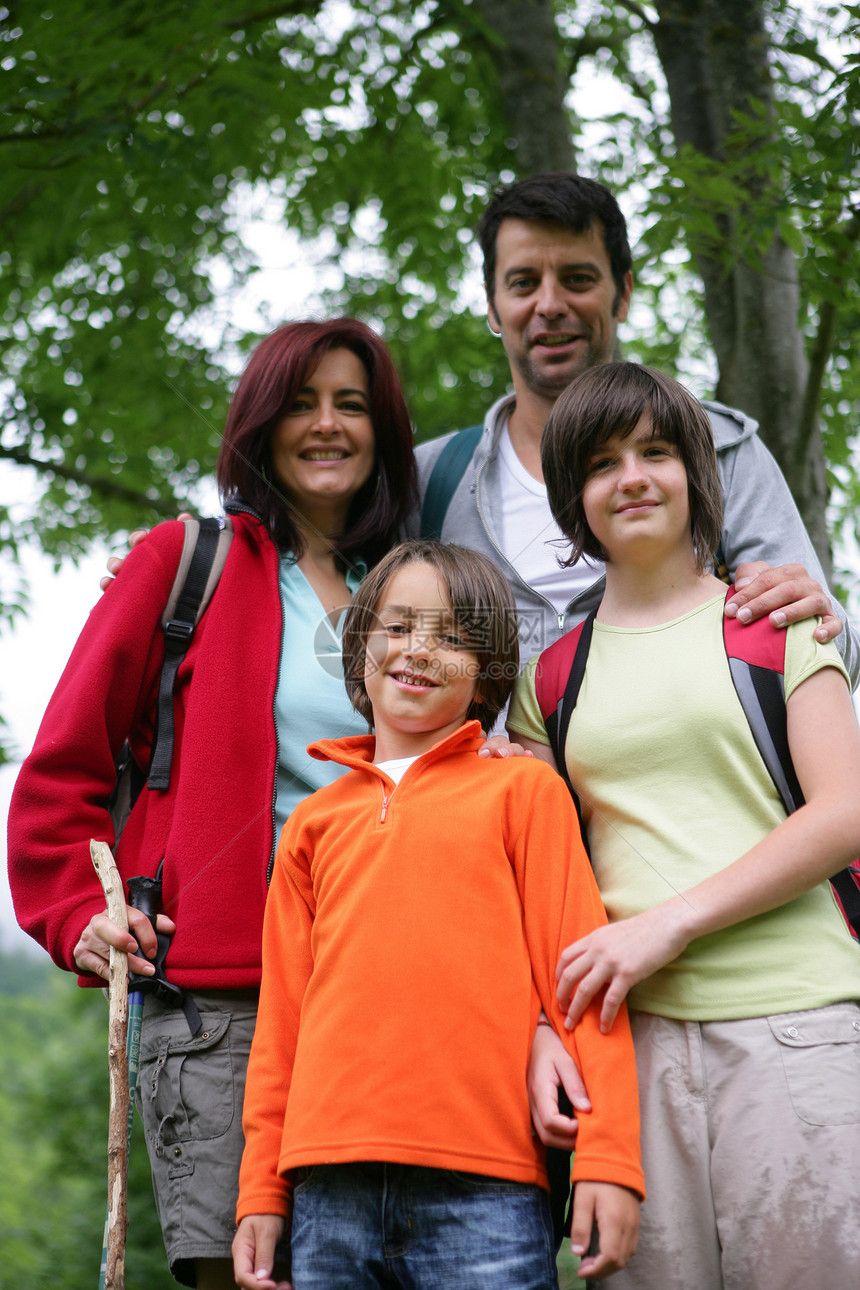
pixel 276 371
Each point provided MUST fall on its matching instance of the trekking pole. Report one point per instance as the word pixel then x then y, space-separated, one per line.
pixel 112 1273
pixel 144 893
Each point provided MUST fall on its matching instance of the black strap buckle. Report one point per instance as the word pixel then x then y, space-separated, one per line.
pixel 177 634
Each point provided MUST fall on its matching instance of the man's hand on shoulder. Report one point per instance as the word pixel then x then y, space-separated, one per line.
pixel 787 594
pixel 115 562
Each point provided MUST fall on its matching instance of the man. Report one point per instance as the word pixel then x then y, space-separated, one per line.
pixel 557 271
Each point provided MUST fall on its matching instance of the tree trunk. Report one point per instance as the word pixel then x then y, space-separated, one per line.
pixel 523 45
pixel 714 55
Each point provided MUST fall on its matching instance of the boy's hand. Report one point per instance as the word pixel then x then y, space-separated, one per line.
pixel 787 594
pixel 615 1212
pixel 254 1252
pixel 618 956
pixel 550 1064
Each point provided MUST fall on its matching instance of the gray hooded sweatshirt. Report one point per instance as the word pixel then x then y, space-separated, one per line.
pixel 760 522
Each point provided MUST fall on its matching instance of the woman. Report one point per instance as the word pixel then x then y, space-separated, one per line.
pixel 316 470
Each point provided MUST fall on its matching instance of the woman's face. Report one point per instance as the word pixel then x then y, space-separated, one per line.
pixel 323 448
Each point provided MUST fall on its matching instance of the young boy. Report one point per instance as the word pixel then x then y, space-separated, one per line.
pixel 416 913
pixel 742 973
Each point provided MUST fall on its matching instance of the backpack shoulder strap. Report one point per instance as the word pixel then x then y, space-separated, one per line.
pixel 558 680
pixel 448 469
pixel 756 655
pixel 846 889
pixel 204 551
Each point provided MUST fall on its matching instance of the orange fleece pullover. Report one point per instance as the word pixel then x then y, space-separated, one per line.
pixel 411 936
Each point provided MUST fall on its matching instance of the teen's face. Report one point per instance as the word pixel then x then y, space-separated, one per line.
pixel 554 303
pixel 323 448
pixel 636 497
pixel 420 678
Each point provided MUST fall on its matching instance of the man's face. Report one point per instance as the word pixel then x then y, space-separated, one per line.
pixel 554 299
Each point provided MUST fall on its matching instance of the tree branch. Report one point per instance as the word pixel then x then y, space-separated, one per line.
pixel 107 487
pixel 819 356
pixel 638 12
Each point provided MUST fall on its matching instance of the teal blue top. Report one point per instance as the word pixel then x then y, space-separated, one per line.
pixel 310 702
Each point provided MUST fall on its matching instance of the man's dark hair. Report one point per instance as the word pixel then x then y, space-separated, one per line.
pixel 561 198
pixel 611 400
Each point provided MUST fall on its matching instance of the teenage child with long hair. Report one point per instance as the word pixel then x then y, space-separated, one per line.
pixel 724 934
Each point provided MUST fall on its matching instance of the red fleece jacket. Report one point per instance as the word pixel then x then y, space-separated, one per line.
pixel 407 954
pixel 214 825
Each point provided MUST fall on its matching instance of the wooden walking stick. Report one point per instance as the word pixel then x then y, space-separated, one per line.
pixel 113 1252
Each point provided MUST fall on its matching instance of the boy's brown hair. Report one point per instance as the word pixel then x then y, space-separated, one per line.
pixel 482 607
pixel 611 400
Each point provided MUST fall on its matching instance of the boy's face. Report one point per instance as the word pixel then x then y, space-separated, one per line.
pixel 635 496
pixel 419 677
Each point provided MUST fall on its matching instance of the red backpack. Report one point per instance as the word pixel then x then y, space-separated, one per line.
pixel 756 655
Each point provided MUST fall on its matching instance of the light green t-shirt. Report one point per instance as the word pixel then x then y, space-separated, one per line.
pixel 672 790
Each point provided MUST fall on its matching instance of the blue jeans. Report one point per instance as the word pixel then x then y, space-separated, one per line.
pixel 368 1226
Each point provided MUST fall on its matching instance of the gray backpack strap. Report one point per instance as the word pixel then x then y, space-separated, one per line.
pixel 204 551
pixel 449 468
pixel 193 528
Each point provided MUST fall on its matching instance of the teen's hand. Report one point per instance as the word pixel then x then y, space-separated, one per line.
pixel 550 1064
pixel 92 952
pixel 254 1247
pixel 501 746
pixel 787 594
pixel 615 1212
pixel 617 956
pixel 115 562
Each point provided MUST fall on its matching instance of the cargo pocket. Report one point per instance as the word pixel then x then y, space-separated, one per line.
pixel 185 1086
pixel 820 1053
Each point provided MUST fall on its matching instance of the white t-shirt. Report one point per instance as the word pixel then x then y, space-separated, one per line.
pixel 397 767
pixel 528 526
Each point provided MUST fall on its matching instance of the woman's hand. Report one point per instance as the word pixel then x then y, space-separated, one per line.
pixel 254 1247
pixel 551 1065
pixel 92 952
pixel 617 956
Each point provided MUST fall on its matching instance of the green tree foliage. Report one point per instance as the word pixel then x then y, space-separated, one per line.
pixel 132 136
pixel 53 1123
